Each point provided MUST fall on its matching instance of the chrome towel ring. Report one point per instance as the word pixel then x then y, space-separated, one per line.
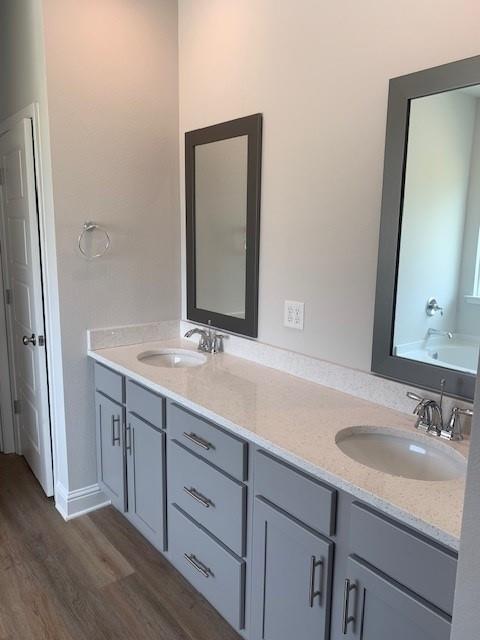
pixel 89 227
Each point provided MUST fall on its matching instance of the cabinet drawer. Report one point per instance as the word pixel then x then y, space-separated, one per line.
pixel 307 499
pixel 208 566
pixel 110 383
pixel 213 499
pixel 208 441
pixel 146 404
pixel 412 560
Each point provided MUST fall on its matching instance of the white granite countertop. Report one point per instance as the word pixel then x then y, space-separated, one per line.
pixel 298 420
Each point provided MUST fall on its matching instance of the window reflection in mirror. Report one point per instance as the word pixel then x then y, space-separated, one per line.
pixel 437 313
pixel 221 225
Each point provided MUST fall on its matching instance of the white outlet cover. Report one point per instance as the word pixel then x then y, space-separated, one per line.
pixel 293 314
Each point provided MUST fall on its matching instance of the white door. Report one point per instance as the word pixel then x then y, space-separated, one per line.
pixel 25 318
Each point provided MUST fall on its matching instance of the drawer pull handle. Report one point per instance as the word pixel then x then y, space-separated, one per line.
pixel 346 618
pixel 193 493
pixel 312 594
pixel 203 444
pixel 115 439
pixel 196 564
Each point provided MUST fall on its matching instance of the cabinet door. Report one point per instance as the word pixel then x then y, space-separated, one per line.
pixel 376 608
pixel 110 450
pixel 145 449
pixel 291 578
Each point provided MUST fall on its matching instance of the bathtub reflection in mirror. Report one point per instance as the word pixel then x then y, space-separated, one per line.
pixel 437 310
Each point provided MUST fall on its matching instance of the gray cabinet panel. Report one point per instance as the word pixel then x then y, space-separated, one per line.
pixel 213 570
pixel 222 449
pixel 292 578
pixel 208 495
pixel 110 383
pixel 379 609
pixel 409 558
pixel 310 501
pixel 145 404
pixel 145 449
pixel 110 451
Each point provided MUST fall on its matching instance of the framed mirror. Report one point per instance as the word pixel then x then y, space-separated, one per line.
pixel 222 179
pixel 427 311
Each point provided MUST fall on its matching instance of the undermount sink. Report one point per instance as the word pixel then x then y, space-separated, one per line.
pixel 402 454
pixel 172 358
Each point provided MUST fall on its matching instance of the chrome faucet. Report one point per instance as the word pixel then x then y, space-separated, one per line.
pixel 453 430
pixel 210 341
pixel 429 414
pixel 439 332
pixel 430 417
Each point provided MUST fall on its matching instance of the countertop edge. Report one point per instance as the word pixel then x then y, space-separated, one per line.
pixel 425 528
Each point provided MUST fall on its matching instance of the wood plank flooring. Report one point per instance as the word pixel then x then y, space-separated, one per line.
pixel 93 578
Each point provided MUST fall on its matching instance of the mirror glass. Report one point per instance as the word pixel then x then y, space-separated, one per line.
pixel 221 225
pixel 437 310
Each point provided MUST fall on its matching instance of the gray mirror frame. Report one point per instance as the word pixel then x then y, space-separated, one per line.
pixel 250 126
pixel 402 90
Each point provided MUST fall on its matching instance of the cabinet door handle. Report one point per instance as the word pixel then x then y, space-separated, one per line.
pixel 346 618
pixel 128 446
pixel 312 594
pixel 115 438
pixel 203 444
pixel 193 493
pixel 196 564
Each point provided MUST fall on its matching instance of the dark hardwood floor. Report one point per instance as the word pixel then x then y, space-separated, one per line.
pixel 92 578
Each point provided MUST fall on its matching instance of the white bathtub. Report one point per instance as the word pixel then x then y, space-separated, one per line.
pixel 461 353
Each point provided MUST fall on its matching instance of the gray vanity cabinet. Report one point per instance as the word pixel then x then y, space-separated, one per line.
pixel 281 554
pixel 110 449
pixel 377 608
pixel 145 452
pixel 292 577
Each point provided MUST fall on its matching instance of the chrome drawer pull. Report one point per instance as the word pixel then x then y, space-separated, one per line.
pixel 196 564
pixel 193 493
pixel 128 447
pixel 203 444
pixel 115 439
pixel 346 618
pixel 312 594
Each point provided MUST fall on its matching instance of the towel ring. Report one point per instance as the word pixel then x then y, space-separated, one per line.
pixel 87 228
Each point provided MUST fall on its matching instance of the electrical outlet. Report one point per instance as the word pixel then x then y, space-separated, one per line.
pixel 293 314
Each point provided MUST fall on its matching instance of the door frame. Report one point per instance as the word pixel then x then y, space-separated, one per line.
pixel 48 259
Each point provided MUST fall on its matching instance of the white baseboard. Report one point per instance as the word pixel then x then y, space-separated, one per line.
pixel 72 504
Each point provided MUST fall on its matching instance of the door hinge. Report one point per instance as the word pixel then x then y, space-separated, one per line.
pixel 8 296
pixel 2 176
pixel 17 407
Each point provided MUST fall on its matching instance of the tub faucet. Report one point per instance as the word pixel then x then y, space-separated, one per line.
pixel 439 332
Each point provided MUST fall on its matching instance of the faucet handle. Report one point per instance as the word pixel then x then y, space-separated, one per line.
pixel 218 342
pixel 414 396
pixel 453 431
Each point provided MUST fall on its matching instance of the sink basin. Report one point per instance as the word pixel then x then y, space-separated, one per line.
pixel 402 454
pixel 172 358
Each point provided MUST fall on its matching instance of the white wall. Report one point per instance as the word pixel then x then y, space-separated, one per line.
pixel 319 73
pixel 468 317
pixel 22 79
pixel 113 105
pixel 441 130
